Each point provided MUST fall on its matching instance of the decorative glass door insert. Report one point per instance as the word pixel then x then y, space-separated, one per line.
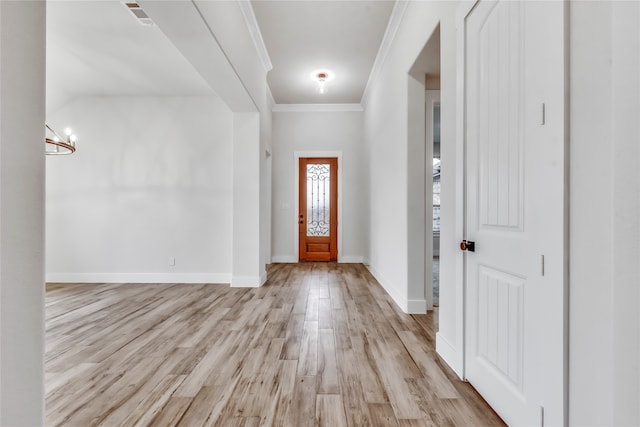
pixel 318 202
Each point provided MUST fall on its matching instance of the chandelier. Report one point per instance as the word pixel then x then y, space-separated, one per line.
pixel 56 145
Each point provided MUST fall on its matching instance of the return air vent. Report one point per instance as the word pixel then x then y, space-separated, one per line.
pixel 140 14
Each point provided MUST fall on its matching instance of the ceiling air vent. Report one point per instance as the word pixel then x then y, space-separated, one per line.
pixel 140 14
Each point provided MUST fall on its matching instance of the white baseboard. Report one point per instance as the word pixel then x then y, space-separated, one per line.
pixel 350 259
pixel 284 259
pixel 449 354
pixel 292 259
pixel 138 278
pixel 398 299
pixel 247 281
pixel 415 306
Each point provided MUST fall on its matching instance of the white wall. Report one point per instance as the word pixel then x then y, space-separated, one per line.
pixel 152 179
pixel 22 92
pixel 337 131
pixel 386 125
pixel 215 38
pixel 604 224
pixel 266 178
pixel 246 195
pixel 252 225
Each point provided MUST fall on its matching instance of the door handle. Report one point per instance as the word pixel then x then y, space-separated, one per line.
pixel 467 245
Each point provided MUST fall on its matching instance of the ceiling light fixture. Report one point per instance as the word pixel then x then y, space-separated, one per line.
pixel 55 145
pixel 322 77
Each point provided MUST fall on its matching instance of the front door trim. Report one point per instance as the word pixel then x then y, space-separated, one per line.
pixel 296 195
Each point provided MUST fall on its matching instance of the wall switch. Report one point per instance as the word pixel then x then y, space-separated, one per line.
pixel 172 261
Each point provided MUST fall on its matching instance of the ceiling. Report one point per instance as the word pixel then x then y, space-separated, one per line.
pixel 303 36
pixel 99 48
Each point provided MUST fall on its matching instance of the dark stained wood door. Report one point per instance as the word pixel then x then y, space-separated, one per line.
pixel 318 209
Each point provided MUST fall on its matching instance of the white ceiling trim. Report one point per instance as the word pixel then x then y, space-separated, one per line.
pixel 256 34
pixel 307 108
pixel 390 33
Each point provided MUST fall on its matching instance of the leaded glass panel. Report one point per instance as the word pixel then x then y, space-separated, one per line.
pixel 318 192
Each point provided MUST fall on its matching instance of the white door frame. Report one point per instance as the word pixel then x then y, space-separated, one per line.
pixel 454 352
pixel 296 195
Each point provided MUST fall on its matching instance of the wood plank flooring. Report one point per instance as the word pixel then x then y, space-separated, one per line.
pixel 321 344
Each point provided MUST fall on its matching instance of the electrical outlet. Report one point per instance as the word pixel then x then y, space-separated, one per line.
pixel 172 261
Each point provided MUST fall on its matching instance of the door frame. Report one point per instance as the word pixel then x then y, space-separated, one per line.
pixel 454 352
pixel 296 196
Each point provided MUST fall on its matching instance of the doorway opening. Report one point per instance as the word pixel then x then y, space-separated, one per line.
pixel 425 75
pixel 433 137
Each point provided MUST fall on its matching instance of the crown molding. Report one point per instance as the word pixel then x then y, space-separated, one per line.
pixel 256 34
pixel 390 33
pixel 310 108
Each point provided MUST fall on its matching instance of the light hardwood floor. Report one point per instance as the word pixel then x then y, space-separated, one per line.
pixel 321 344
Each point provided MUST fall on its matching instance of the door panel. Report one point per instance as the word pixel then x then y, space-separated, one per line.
pixel 514 207
pixel 500 325
pixel 318 210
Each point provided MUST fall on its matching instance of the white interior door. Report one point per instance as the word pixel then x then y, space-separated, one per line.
pixel 515 278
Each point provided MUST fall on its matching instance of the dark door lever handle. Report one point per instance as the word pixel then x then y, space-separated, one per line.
pixel 467 245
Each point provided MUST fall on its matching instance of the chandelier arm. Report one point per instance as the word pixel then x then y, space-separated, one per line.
pixel 54 132
pixel 62 145
pixel 71 149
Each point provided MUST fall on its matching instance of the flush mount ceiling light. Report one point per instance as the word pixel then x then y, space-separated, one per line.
pixel 322 77
pixel 56 145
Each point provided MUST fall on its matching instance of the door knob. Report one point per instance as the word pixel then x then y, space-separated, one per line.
pixel 467 245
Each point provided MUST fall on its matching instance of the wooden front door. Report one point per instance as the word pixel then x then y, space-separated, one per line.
pixel 318 209
pixel 514 135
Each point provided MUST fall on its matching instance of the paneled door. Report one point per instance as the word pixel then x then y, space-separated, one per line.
pixel 318 210
pixel 514 232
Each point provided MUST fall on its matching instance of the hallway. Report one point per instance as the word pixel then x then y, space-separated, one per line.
pixel 319 344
